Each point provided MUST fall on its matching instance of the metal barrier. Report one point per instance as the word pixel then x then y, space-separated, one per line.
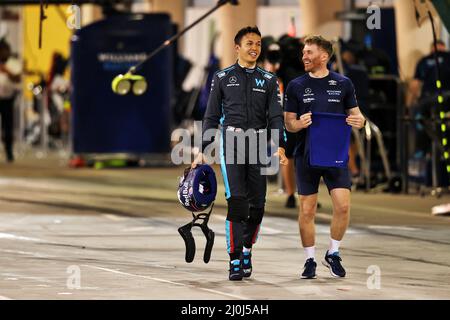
pixel 370 130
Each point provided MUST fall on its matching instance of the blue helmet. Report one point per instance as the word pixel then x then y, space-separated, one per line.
pixel 197 188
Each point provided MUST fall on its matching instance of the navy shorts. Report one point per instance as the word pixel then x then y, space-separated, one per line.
pixel 291 143
pixel 308 178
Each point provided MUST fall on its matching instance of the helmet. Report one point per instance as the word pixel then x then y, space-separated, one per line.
pixel 197 188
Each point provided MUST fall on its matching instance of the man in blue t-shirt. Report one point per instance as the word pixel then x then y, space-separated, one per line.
pixel 424 83
pixel 320 90
pixel 422 88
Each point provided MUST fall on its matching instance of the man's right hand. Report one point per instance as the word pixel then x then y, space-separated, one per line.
pixel 199 159
pixel 305 120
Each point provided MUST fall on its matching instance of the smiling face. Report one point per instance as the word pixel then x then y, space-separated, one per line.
pixel 249 49
pixel 314 58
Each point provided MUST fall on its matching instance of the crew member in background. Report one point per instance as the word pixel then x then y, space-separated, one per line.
pixel 10 70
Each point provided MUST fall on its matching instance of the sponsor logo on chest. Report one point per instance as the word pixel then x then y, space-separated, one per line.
pixel 332 82
pixel 232 82
pixel 334 96
pixel 259 85
pixel 334 100
pixel 308 96
pixel 334 92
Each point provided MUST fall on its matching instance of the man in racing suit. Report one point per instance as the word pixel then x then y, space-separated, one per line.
pixel 245 100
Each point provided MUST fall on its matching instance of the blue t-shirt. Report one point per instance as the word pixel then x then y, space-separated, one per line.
pixel 331 94
pixel 426 72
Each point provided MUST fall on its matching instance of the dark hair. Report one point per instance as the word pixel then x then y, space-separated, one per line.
pixel 241 33
pixel 4 44
pixel 5 51
pixel 322 43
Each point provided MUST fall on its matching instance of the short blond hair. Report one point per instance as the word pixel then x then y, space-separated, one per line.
pixel 321 42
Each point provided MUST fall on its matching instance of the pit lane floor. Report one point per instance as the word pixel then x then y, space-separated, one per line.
pixel 112 234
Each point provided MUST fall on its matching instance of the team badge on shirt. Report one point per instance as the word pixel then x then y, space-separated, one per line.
pixel 332 82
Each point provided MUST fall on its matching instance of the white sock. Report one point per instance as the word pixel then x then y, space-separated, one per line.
pixel 310 252
pixel 244 249
pixel 334 246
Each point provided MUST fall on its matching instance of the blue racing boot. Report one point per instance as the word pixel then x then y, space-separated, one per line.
pixel 247 263
pixel 236 272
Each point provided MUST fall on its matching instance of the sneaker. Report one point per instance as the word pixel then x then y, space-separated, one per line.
pixel 309 270
pixel 247 264
pixel 333 262
pixel 290 202
pixel 236 272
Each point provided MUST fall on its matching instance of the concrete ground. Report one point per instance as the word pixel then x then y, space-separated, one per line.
pixel 112 234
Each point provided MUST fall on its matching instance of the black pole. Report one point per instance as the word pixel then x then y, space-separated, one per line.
pixel 42 17
pixel 436 60
pixel 174 38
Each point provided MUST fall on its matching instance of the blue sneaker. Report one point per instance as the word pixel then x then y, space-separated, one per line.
pixel 236 272
pixel 247 264
pixel 309 270
pixel 333 262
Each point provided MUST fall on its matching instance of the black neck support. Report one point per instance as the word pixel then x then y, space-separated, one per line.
pixel 186 234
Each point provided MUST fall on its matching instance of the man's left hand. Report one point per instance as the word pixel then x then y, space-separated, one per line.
pixel 281 153
pixel 356 120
